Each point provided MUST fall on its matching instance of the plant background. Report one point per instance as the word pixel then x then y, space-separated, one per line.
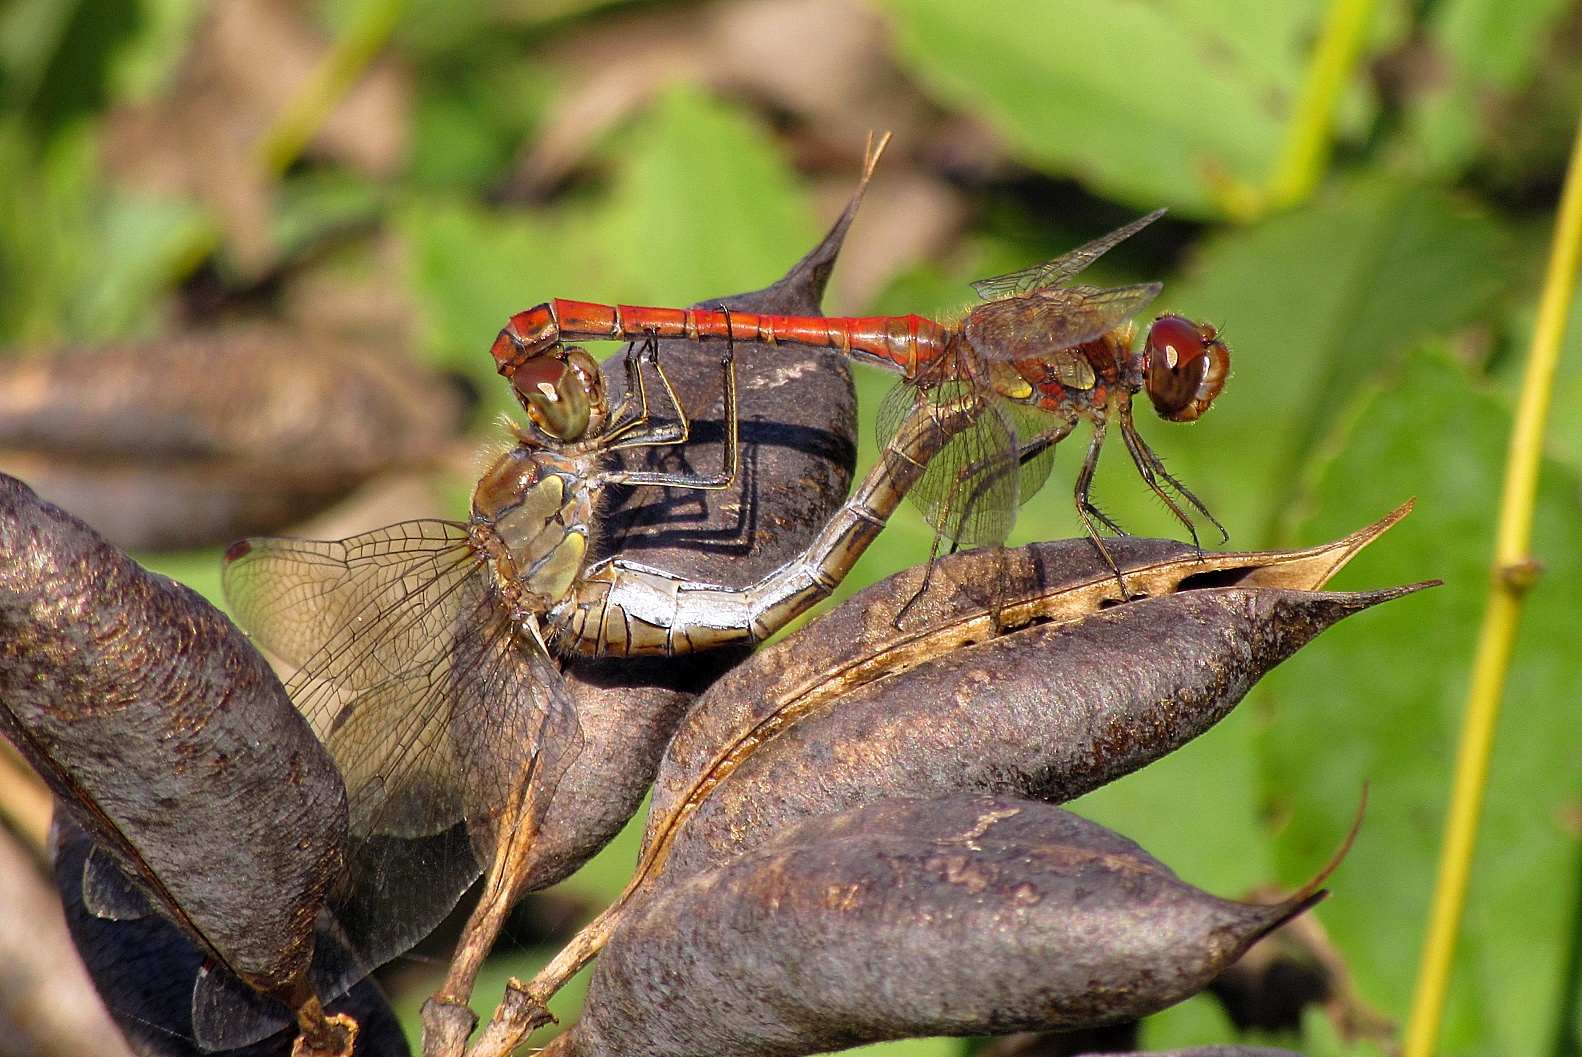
pixel 501 152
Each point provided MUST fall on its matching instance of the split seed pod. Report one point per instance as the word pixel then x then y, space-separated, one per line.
pixel 1075 692
pixel 964 915
pixel 165 734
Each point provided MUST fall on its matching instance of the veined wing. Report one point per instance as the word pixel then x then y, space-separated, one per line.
pixel 1050 273
pixel 1041 324
pixel 970 489
pixel 431 699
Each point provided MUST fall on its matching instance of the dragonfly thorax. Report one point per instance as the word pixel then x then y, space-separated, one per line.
pixel 533 511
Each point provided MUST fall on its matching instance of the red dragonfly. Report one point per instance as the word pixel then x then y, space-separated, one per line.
pixel 1040 355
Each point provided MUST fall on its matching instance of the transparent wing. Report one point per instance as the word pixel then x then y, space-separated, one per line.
pixel 372 623
pixel 1040 325
pixel 1018 284
pixel 1035 467
pixel 970 490
pixel 430 698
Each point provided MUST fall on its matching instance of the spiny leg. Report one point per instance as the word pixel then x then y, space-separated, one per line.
pixel 629 434
pixel 729 460
pixel 1140 451
pixel 1087 511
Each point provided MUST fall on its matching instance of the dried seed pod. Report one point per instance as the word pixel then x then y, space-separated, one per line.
pixel 965 915
pixel 1083 691
pixel 194 441
pixel 145 968
pixel 1084 688
pixel 167 736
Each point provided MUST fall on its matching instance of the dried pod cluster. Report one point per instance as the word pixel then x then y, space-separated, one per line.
pixel 794 805
pixel 853 834
pixel 167 737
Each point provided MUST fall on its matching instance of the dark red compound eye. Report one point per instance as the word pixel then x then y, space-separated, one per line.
pixel 1186 369
pixel 539 378
pixel 554 396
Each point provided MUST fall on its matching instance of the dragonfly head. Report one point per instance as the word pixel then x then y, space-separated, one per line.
pixel 562 392
pixel 1184 367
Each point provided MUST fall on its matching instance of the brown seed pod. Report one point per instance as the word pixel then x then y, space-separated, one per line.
pixel 167 736
pixel 1022 672
pixel 1076 691
pixel 194 441
pixel 965 915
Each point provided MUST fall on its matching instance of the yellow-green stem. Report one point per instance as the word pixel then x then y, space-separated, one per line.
pixel 1513 573
pixel 1305 154
pixel 291 130
pixel 338 70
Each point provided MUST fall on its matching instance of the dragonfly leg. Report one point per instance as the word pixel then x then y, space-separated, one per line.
pixel 730 458
pixel 1148 465
pixel 1087 511
pixel 1153 471
pixel 631 433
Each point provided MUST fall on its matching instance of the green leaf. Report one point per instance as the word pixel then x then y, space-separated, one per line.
pixel 472 269
pixel 60 64
pixel 1147 103
pixel 139 243
pixel 1199 1021
pixel 1484 51
pixel 1379 700
pixel 704 206
pixel 1565 413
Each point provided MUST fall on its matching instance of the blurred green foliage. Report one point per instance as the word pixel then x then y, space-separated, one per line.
pixel 1375 329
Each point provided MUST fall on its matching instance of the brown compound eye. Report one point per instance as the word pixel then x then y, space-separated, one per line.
pixel 1186 368
pixel 554 396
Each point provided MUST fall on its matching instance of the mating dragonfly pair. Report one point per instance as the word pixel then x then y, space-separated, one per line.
pixel 406 637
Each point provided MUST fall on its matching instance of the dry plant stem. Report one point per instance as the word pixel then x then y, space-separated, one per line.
pixel 25 801
pixel 1514 572
pixel 525 1005
pixel 447 1017
pixel 324 1036
pixel 286 137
